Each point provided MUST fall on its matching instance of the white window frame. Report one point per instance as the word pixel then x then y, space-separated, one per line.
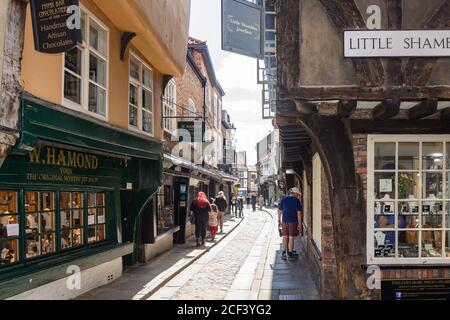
pixel 141 87
pixel 371 259
pixel 86 50
pixel 171 106
pixel 192 112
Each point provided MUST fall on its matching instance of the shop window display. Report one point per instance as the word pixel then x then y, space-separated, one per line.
pixel 39 223
pixel 410 194
pixel 9 228
pixel 165 210
pixel 71 212
pixel 96 218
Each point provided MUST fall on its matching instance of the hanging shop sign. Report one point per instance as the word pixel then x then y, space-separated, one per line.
pixel 56 25
pixel 426 289
pixel 191 131
pixel 396 43
pixel 242 28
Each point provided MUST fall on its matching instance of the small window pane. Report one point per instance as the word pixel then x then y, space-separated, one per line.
pixel 147 125
pixel 48 201
pixel 47 222
pixel 134 95
pixel 77 237
pixel 77 218
pixel 408 244
pixel 66 239
pixel 101 233
pixel 31 201
pixel 408 156
pixel 408 185
pixel 91 235
pixel 32 245
pixel 447 244
pixel 9 251
pixel 431 243
pixel 65 219
pixel 432 214
pixel 385 186
pixel 72 88
pixel 432 185
pixel 8 202
pixel 447 216
pixel 48 243
pixel 133 116
pixel 100 199
pixel 134 68
pixel 91 200
pixel 97 99
pixel 147 100
pixel 448 155
pixel 385 221
pixel 147 77
pixel 385 156
pixel 433 156
pixel 32 223
pixel 97 37
pixel 73 60
pixel 64 200
pixel 97 70
pixel 384 242
pixel 447 187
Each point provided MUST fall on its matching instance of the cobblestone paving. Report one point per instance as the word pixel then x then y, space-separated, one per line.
pixel 213 280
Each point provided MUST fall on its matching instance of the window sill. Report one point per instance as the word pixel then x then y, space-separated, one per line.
pixel 167 233
pixel 407 266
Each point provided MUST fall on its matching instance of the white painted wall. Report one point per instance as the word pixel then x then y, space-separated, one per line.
pixel 90 279
pixel 317 201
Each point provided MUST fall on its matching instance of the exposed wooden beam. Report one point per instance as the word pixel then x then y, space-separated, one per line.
pixel 394 74
pixel 387 109
pixel 424 109
pixel 401 126
pixel 419 70
pixel 405 93
pixel 345 108
pixel 345 15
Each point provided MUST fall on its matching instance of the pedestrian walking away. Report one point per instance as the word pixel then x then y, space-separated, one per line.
pixel 213 221
pixel 261 202
pixel 201 208
pixel 248 201
pixel 233 204
pixel 240 207
pixel 222 205
pixel 290 214
pixel 254 199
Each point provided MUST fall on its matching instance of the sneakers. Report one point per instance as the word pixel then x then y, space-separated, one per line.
pixel 292 256
pixel 283 256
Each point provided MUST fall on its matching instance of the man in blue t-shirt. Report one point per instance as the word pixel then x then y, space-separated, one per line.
pixel 290 214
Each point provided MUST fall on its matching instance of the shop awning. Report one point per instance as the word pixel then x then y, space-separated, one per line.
pixel 41 120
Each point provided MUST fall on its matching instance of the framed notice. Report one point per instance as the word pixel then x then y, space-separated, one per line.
pixel 385 185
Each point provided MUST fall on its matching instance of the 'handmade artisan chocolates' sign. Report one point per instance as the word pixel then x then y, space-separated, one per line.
pixel 56 24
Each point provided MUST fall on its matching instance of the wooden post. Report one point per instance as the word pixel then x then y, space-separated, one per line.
pixel 12 26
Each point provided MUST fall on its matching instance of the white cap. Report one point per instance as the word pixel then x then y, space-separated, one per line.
pixel 295 190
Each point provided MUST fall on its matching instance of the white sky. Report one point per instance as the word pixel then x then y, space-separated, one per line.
pixel 237 75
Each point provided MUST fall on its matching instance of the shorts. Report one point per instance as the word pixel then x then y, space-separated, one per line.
pixel 290 229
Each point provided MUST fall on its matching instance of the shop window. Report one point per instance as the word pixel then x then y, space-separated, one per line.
pixel 71 210
pixel 140 106
pixel 9 228
pixel 96 218
pixel 165 210
pixel 39 224
pixel 409 199
pixel 86 69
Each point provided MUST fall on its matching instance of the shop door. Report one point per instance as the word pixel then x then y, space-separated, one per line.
pixel 180 208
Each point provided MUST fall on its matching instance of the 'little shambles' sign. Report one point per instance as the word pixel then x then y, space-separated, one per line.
pixel 56 24
pixel 397 43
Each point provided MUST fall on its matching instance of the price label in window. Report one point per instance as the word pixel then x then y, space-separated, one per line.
pixel 385 185
pixel 101 219
pixel 12 230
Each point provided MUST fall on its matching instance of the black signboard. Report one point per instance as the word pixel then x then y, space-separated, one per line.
pixel 56 25
pixel 434 289
pixel 191 131
pixel 242 28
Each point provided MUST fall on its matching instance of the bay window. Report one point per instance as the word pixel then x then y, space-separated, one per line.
pixel 140 96
pixel 86 69
pixel 409 199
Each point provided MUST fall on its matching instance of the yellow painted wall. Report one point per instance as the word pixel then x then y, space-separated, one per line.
pixel 42 74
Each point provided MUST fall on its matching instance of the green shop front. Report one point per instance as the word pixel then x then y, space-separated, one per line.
pixel 73 193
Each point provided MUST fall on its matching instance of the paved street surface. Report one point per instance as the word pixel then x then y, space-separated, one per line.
pixel 242 264
pixel 246 265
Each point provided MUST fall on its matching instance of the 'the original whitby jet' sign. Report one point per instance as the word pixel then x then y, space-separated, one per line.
pixel 397 43
pixel 56 25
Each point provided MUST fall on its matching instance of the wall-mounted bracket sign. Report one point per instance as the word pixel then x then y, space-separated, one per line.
pixel 191 131
pixel 396 43
pixel 56 25
pixel 242 27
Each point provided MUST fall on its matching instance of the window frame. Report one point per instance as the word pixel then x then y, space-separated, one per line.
pixel 371 199
pixel 141 87
pixel 86 51
pixel 170 105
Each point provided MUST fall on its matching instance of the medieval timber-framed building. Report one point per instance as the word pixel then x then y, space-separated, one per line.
pixel 369 140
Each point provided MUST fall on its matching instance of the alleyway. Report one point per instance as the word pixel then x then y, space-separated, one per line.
pixel 244 265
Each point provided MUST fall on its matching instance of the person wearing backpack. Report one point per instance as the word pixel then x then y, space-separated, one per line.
pixel 222 205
